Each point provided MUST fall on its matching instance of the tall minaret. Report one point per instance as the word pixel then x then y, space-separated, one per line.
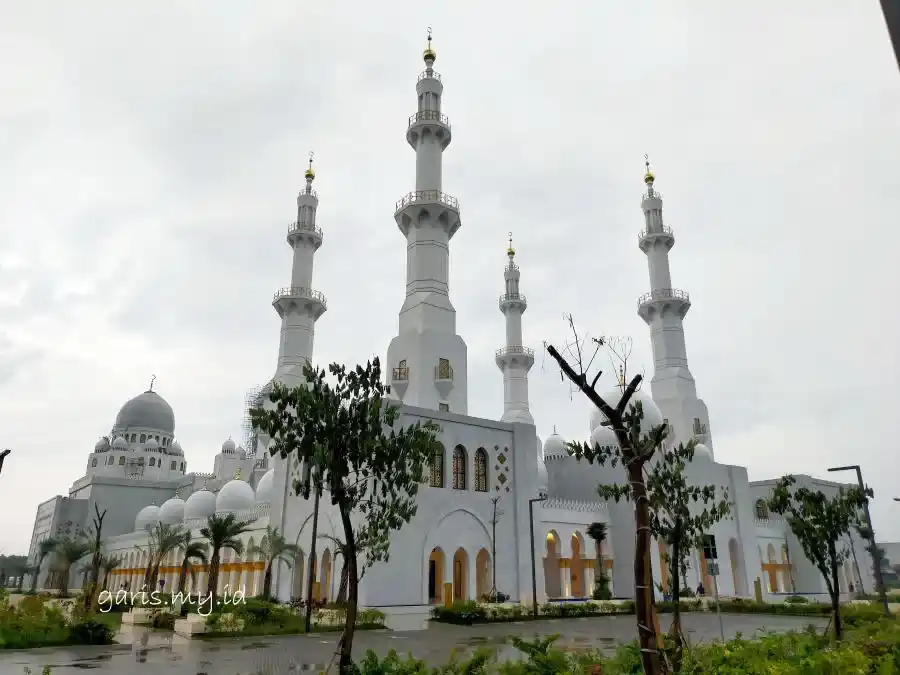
pixel 427 360
pixel 514 360
pixel 664 309
pixel 298 305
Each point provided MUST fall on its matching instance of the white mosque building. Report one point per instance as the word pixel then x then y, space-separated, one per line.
pixel 138 472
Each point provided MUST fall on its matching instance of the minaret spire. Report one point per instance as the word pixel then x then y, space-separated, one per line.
pixel 514 360
pixel 427 359
pixel 664 309
pixel 298 305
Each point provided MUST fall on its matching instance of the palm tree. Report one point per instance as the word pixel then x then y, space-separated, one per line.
pixel 163 540
pixel 193 550
pixel 222 531
pixel 70 552
pixel 598 532
pixel 108 564
pixel 273 547
pixel 45 548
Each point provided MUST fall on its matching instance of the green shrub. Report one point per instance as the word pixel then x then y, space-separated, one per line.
pixel 797 600
pixel 162 619
pixel 463 613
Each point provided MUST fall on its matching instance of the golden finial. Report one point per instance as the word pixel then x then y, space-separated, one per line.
pixel 510 251
pixel 237 473
pixel 621 376
pixel 429 54
pixel 152 380
pixel 310 173
pixel 648 176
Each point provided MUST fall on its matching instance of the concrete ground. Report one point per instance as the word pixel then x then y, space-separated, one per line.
pixel 154 652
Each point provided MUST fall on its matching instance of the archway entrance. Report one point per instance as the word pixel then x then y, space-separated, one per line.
pixel 460 575
pixel 325 579
pixel 435 575
pixel 576 567
pixel 297 589
pixel 552 585
pixel 482 573
pixel 738 571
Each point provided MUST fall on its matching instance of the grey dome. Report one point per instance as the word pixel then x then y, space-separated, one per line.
pixel 147 411
pixel 228 447
pixel 175 449
pixel 147 517
pixel 201 504
pixel 172 511
pixel 102 445
pixel 265 487
pixel 120 444
pixel 235 496
pixel 151 445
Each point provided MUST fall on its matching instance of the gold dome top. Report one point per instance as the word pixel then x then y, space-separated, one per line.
pixel 648 176
pixel 510 251
pixel 310 173
pixel 429 54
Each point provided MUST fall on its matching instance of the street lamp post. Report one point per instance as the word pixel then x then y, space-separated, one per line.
pixel 3 454
pixel 534 605
pixel 876 563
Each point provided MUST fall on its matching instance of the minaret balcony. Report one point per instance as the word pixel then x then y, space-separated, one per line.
pixel 300 231
pixel 648 237
pixel 298 298
pixel 427 207
pixel 429 74
pixel 514 356
pixel 400 381
pixel 654 303
pixel 428 120
pixel 513 301
pixel 443 378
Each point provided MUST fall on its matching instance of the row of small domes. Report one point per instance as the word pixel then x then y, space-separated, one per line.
pixel 555 445
pixel 229 447
pixel 235 496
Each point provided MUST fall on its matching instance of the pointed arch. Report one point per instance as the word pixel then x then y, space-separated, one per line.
pixel 460 459
pixel 552 576
pixel 436 575
pixel 437 466
pixel 481 472
pixel 483 583
pixel 460 575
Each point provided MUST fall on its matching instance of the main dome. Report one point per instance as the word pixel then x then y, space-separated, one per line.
pixel 148 410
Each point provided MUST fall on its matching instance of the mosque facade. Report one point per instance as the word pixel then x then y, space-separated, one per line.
pixel 138 472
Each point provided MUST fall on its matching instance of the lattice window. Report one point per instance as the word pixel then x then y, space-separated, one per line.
pixel 481 461
pixel 762 511
pixel 437 467
pixel 459 468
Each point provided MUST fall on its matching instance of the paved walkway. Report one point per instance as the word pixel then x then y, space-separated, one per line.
pixel 156 653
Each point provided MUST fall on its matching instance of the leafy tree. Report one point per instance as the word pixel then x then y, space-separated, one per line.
pixel 819 522
pixel 637 446
pixel 346 434
pixel 193 550
pixel 91 597
pixel 45 548
pixel 273 547
pixel 70 551
pixel 108 564
pixel 598 532
pixel 362 549
pixel 222 531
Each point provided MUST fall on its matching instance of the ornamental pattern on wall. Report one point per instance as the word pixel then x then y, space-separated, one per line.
pixel 502 477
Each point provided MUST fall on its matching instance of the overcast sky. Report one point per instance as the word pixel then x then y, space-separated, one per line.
pixel 150 155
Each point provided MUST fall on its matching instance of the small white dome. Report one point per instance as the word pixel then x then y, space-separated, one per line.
pixel 228 447
pixel 652 416
pixel 604 437
pixel 147 517
pixel 120 444
pixel 265 487
pixel 555 446
pixel 201 504
pixel 172 511
pixel 102 445
pixel 235 495
pixel 151 445
pixel 175 449
pixel 240 452
pixel 701 453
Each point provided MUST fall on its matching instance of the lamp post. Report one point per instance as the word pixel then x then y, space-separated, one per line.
pixel 876 563
pixel 534 605
pixel 3 454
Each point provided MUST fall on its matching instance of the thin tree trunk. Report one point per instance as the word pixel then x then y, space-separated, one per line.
pixel 346 645
pixel 342 589
pixel 182 575
pixel 213 581
pixel 643 577
pixel 267 581
pixel 64 581
pixel 834 591
pixel 675 630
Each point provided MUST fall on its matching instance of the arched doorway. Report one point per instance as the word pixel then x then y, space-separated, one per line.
pixel 738 571
pixel 460 575
pixel 773 575
pixel 436 575
pixel 576 566
pixel 325 577
pixel 482 573
pixel 298 591
pixel 552 585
